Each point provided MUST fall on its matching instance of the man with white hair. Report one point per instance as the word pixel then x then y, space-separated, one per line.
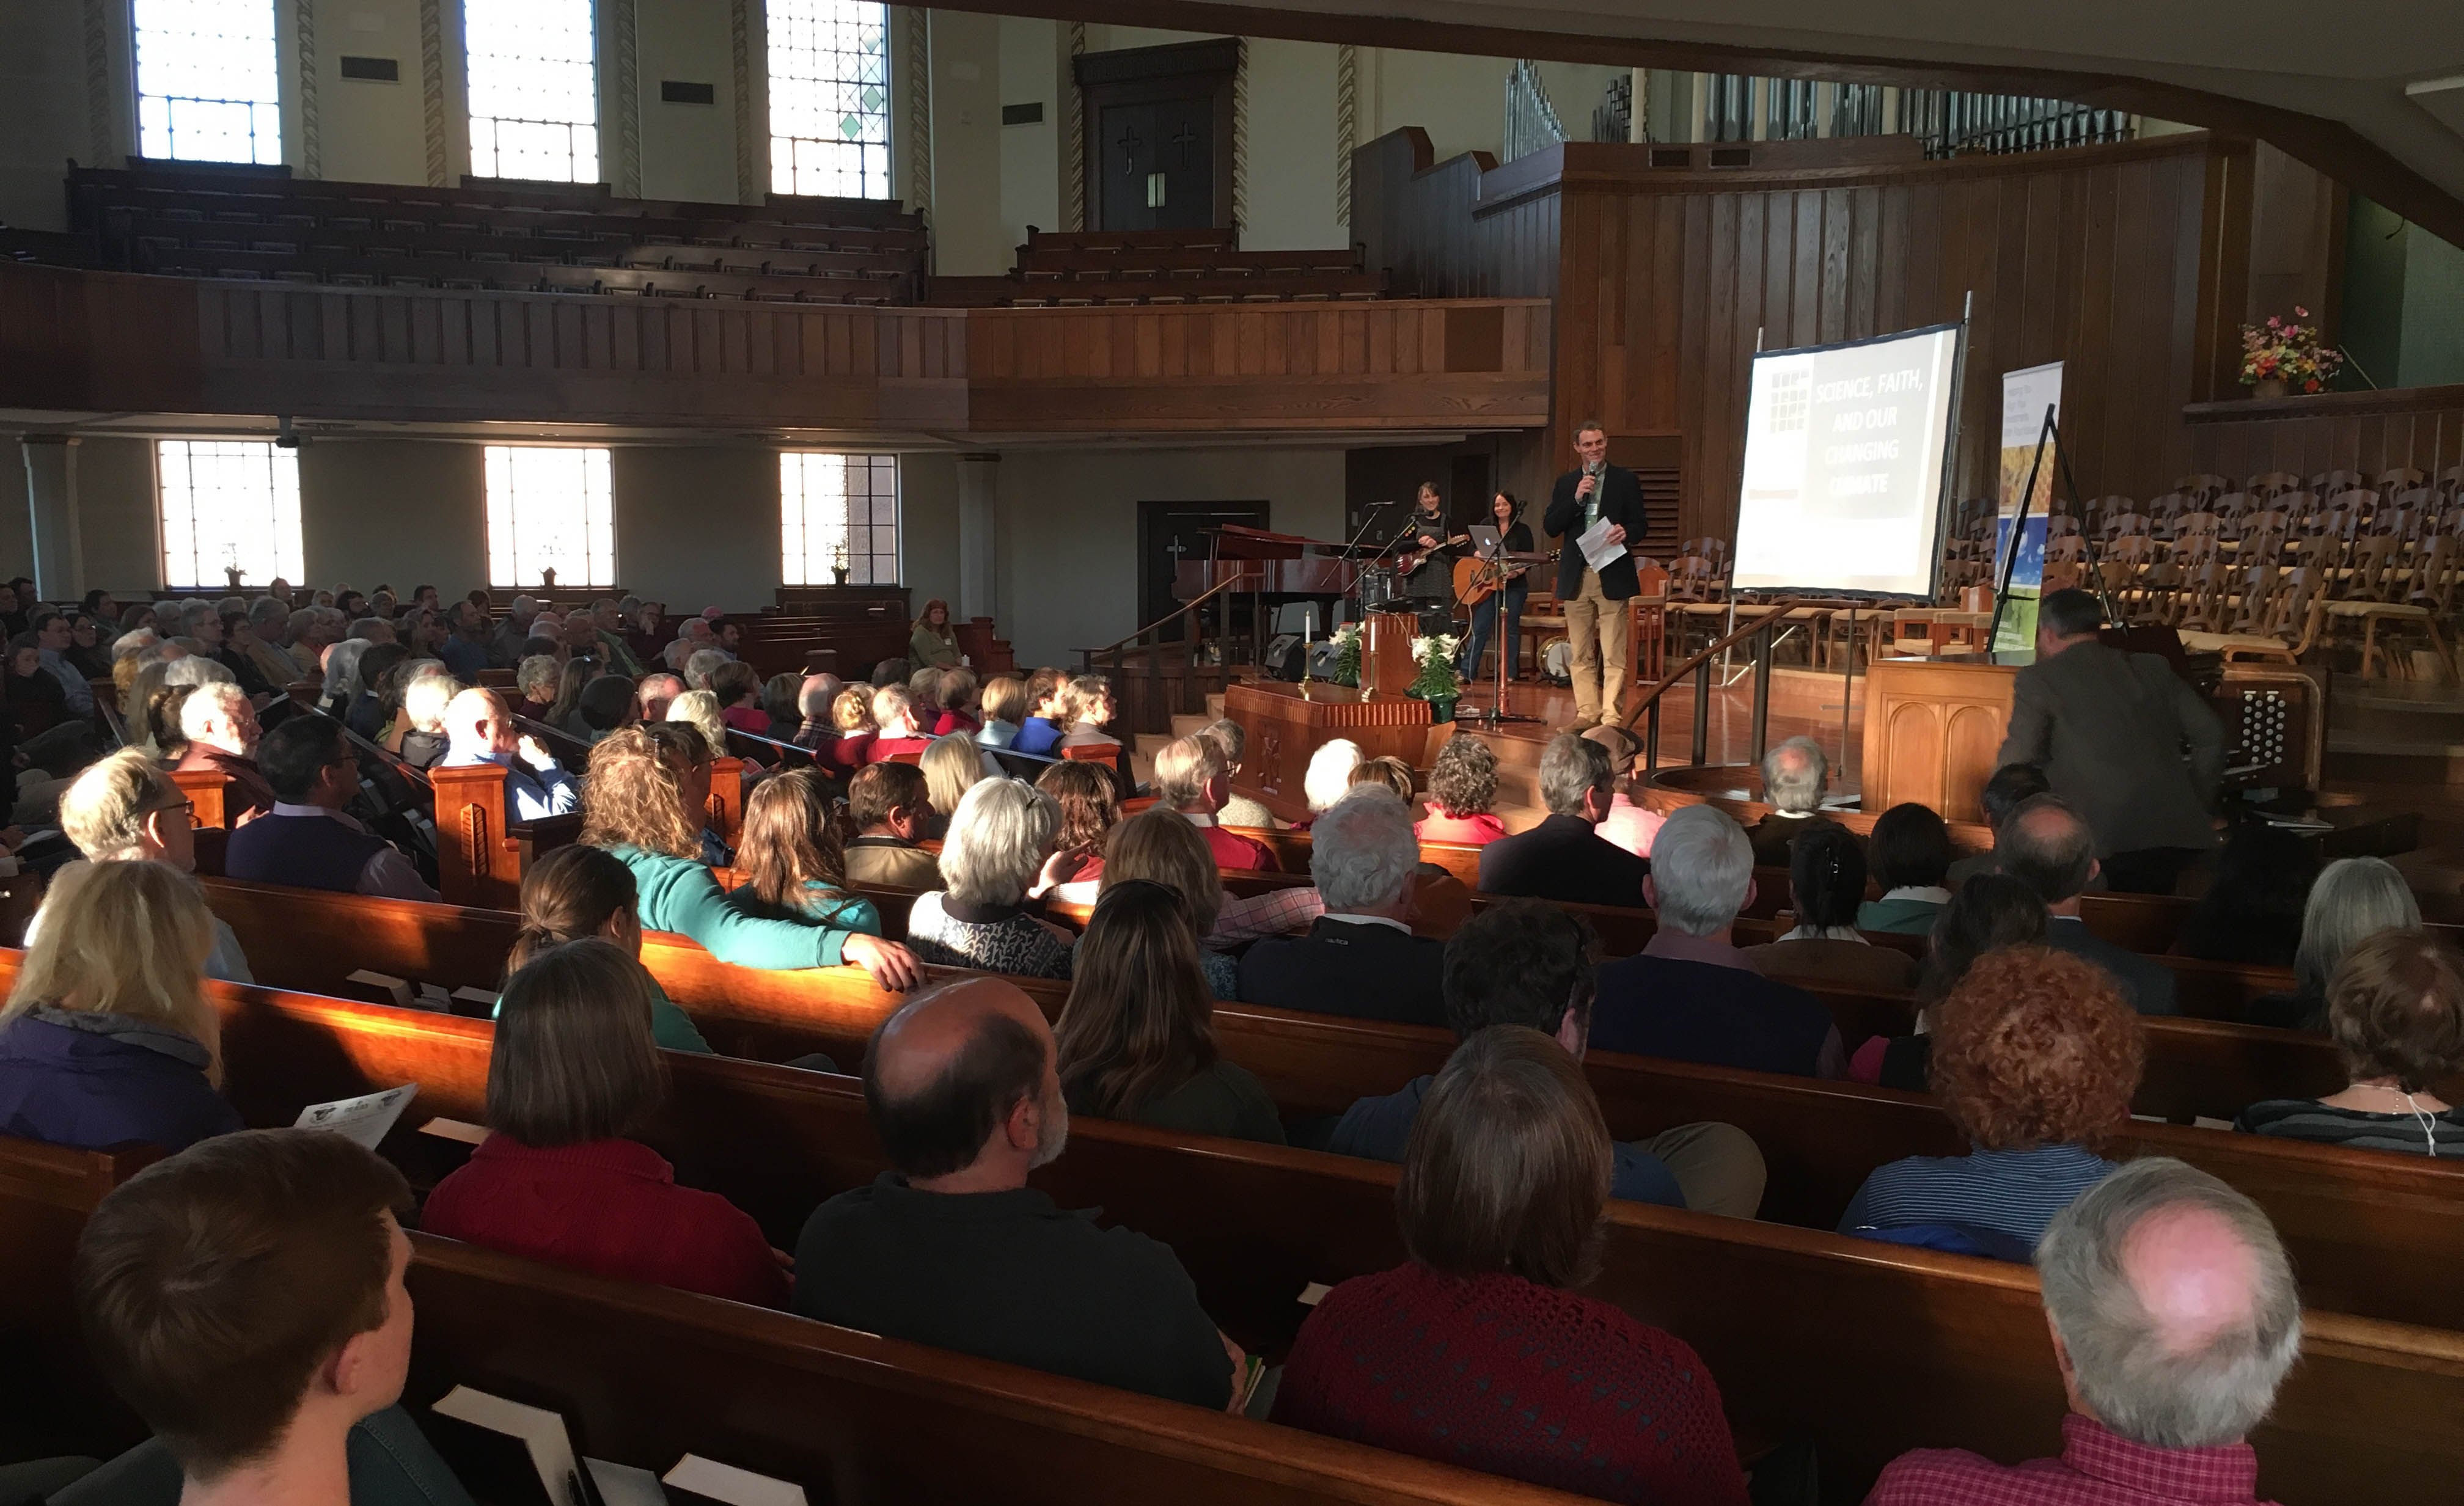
pixel 1796 773
pixel 1191 777
pixel 1360 957
pixel 1690 995
pixel 813 701
pixel 1329 776
pixel 700 664
pixel 505 644
pixel 654 693
pixel 2174 1317
pixel 221 728
pixel 1565 857
pixel 480 729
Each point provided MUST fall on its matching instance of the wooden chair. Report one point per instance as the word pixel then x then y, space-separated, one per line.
pixel 2273 483
pixel 2205 487
pixel 2328 483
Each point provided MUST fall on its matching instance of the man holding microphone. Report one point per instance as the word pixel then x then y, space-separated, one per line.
pixel 1597 627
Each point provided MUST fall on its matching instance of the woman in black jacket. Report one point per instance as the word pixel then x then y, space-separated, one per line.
pixel 1514 539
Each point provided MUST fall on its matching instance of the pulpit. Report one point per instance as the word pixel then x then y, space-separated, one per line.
pixel 1932 729
pixel 1286 723
pixel 1386 664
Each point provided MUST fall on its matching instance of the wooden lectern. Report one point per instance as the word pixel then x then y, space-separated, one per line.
pixel 1284 723
pixel 1932 729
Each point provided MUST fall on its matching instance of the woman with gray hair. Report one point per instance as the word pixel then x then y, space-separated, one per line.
pixel 1329 773
pixel 1000 835
pixel 2353 900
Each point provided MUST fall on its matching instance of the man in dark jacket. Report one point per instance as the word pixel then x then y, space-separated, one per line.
pixel 1360 958
pixel 1597 627
pixel 2046 847
pixel 1565 857
pixel 2108 728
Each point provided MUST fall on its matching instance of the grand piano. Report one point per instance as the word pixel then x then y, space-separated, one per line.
pixel 1274 569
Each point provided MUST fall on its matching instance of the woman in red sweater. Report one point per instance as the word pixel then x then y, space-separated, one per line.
pixel 1476 1352
pixel 573 1069
pixel 1463 787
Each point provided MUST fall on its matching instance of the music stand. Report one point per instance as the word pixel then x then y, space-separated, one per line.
pixel 1489 548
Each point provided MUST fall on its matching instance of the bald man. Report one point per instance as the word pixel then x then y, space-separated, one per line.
pixel 953 1248
pixel 2174 1319
pixel 480 729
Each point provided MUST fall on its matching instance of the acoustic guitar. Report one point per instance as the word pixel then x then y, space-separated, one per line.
pixel 1476 581
pixel 1405 564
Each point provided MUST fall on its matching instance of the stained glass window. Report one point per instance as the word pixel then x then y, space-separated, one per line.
pixel 829 97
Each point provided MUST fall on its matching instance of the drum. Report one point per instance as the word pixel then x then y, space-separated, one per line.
pixel 1378 585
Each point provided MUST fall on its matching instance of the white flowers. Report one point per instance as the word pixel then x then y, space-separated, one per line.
pixel 1440 647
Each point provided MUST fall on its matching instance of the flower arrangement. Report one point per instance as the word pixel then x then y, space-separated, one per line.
pixel 2286 354
pixel 1436 680
pixel 1346 654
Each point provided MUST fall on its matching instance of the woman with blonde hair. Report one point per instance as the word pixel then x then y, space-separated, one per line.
pixel 851 714
pixel 998 839
pixel 1395 775
pixel 1004 708
pixel 107 1035
pixel 934 641
pixel 952 765
pixel 641 801
pixel 419 732
pixel 699 711
pixel 791 862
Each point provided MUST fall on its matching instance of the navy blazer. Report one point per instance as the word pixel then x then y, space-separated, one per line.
pixel 1620 502
pixel 1365 971
pixel 1564 859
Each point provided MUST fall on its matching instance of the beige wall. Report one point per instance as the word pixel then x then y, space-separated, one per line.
pixel 968 239
pixel 43 116
pixel 688 150
pixel 370 132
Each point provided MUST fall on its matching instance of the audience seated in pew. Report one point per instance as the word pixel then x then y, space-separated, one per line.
pixel 246 1298
pixel 1627 824
pixel 1329 775
pixel 641 799
pixel 1565 857
pixel 1990 910
pixel 813 728
pixel 1462 790
pixel 1047 700
pixel 373 681
pixel 1522 963
pixel 2050 849
pixel 961 710
pixel 1910 854
pixel 126 809
pixel 578 892
pixel 2252 910
pixel 1136 1040
pixel 505 641
pixel 1478 1350
pixel 2396 1009
pixel 979 918
pixel 1192 778
pixel 606 703
pixel 1089 801
pixel 893 717
pixel 2174 1319
pixel 1359 958
pixel 422 735
pixel 737 686
pixel 1088 710
pixel 2007 789
pixel 1390 773
pixel 1690 995
pixel 481 730
pixel 107 1036
pixel 1827 882
pixel 222 731
pixel 2352 899
pixel 698 711
pixel 1005 709
pixel 537 680
pixel 572 1072
pixel 2035 1057
pixel 888 807
pixel 952 1248
pixel 1796 777
pixel 951 763
pixel 1239 810
pixel 1158 846
pixel 791 866
pixel 307 840
pixel 852 716
pixel 652 694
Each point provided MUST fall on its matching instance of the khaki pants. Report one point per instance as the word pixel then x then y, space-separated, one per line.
pixel 1717 1166
pixel 1598 628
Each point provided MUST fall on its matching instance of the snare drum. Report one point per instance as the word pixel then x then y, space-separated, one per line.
pixel 1378 586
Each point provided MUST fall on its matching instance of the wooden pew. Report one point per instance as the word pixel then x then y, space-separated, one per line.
pixel 46 1192
pixel 1870 1349
pixel 480 858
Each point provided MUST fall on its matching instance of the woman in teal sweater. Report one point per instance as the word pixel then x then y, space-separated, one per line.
pixel 639 803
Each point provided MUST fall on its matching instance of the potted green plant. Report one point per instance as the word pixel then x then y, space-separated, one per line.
pixel 1346 655
pixel 1437 683
pixel 2286 356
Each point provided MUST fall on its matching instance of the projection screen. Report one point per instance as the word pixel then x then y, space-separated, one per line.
pixel 1844 471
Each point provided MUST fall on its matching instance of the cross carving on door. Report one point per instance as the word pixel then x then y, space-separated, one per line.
pixel 1184 141
pixel 1128 144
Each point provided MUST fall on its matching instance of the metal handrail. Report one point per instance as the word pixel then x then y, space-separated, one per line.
pixel 1699 667
pixel 1186 607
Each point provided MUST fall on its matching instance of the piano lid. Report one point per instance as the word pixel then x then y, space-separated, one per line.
pixel 1233 541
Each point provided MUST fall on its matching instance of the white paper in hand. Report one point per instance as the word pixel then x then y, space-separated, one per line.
pixel 365 1120
pixel 1598 552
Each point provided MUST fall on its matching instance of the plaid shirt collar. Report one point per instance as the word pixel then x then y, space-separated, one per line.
pixel 2224 1474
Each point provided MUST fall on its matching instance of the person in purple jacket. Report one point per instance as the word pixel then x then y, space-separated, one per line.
pixel 107 1035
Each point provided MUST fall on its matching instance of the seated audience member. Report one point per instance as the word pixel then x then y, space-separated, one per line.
pixel 1090 710
pixel 2035 1056
pixel 505 641
pixel 1627 826
pixel 162 739
pixel 1048 698
pixel 221 729
pixel 998 839
pixel 1189 777
pixel 465 650
pixel 1239 810
pixel 1090 805
pixel 924 700
pixel 1990 910
pixel 2352 899
pixel 851 714
pixel 2175 1318
pixel 2009 787
pixel 578 892
pixel 124 808
pixel 573 1072
pixel 107 1035
pixel 1360 958
pixel 737 686
pixel 1394 775
pixel 887 805
pixel 698 710
pixel 28 683
pixel 2252 910
pixel 1826 881
pixel 1005 709
pixel 641 801
pixel 2396 1008
pixel 246 1298
pixel 1329 776
pixel 893 715
pixel 607 617
pixel 1137 1041
pixel 935 642
pixel 955 694
pixel 1690 995
pixel 536 680
pixel 607 703
pixel 813 727
pixel 308 839
pixel 1462 788
pixel 422 735
pixel 569 683
pixel 952 1248
pixel 1158 846
pixel 1910 855
pixel 370 710
pixel 1525 963
pixel 1479 1351
pixel 1796 774
pixel 951 765
pixel 481 730
pixel 654 694
pixel 2050 849
pixel 1564 858
pixel 791 867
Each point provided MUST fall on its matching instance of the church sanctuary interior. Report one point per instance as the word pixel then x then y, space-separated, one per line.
pixel 804 753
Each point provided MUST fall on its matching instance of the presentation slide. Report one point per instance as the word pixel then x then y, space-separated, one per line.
pixel 1844 466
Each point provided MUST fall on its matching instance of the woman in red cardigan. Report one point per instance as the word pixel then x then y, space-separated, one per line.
pixel 1463 787
pixel 573 1069
pixel 1476 1352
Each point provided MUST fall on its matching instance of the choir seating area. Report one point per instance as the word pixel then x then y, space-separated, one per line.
pixel 1078 269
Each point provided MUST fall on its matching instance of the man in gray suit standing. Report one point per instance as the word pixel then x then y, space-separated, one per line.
pixel 2108 728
